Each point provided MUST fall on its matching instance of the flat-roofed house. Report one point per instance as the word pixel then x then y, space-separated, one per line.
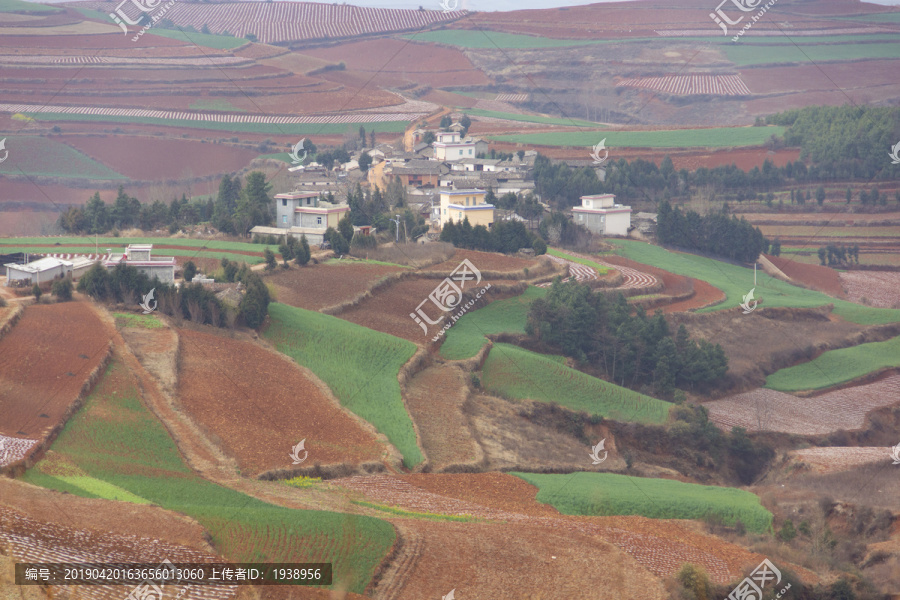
pixel 140 256
pixel 457 205
pixel 448 147
pixel 37 271
pixel 303 213
pixel 602 215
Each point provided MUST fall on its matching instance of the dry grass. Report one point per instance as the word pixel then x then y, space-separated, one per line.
pixel 413 255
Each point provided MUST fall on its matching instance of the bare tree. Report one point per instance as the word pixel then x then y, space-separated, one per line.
pixel 215 315
pixel 195 310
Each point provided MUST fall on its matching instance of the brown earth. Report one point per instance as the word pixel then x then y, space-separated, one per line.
pixel 44 361
pixel 485 261
pixel 824 279
pixel 316 286
pixel 275 400
pixel 435 399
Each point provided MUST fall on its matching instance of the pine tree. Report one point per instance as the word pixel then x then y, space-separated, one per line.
pixel 302 253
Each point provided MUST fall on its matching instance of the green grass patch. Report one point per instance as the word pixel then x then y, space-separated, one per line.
pixel 602 270
pixel 118 243
pixel 30 7
pixel 358 364
pixel 530 118
pixel 415 515
pixel 136 320
pixel 466 337
pixel 885 17
pixel 713 137
pixel 267 128
pixel 517 373
pixel 743 55
pixel 39 156
pixel 837 366
pixel 608 494
pixel 116 440
pixel 736 281
pixel 101 489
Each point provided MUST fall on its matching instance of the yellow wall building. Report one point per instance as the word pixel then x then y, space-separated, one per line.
pixel 457 205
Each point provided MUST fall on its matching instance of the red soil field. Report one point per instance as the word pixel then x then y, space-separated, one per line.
pixel 661 546
pixel 835 459
pixel 259 414
pixel 824 279
pixel 770 410
pixel 316 286
pixel 389 308
pixel 44 361
pixel 430 64
pixel 151 159
pixel 485 261
pixel 93 42
pixel 874 288
pixel 809 77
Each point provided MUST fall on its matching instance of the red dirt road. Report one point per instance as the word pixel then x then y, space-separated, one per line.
pixel 44 361
pixel 259 414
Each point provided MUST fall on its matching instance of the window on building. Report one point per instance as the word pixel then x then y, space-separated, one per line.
pixel 284 201
pixel 284 219
pixel 470 151
pixel 308 201
pixel 318 220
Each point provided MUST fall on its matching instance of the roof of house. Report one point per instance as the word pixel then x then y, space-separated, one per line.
pixel 419 167
pixel 462 192
pixel 40 265
pixel 296 195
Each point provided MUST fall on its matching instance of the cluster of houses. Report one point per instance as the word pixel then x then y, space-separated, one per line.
pixel 446 180
pixel 48 268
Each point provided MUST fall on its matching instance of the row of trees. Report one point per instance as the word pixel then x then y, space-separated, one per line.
pixel 716 233
pixel 504 236
pixel 839 255
pixel 630 348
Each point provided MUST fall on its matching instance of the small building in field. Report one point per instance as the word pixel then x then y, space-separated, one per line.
pixel 600 214
pixel 457 205
pixel 140 257
pixel 37 271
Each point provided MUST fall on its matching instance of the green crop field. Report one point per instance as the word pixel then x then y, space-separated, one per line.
pixel 217 104
pixel 837 366
pixel 608 494
pixel 530 118
pixel 119 445
pixel 713 137
pixel 743 55
pixel 513 372
pixel 736 281
pixel 39 156
pixel 466 337
pixel 19 6
pixel 121 242
pixel 269 128
pixel 577 259
pixel 358 364
pixel 198 253
pixel 140 321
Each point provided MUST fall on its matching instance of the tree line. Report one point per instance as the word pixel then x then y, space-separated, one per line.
pixel 503 236
pixel 716 233
pixel 628 347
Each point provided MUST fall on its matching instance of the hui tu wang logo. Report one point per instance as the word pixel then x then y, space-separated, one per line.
pixel 145 7
pixel 295 152
pixel 595 452
pixel 449 596
pixel 595 153
pixel 449 6
pixel 5 151
pixel 295 452
pixel 751 587
pixel 894 154
pixel 146 303
pixel 448 295
pixel 895 454
pixel 748 299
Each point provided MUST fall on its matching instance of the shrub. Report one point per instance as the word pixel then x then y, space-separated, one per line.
pixel 36 291
pixel 540 246
pixel 270 259
pixel 302 252
pixel 787 531
pixel 190 269
pixel 62 289
pixel 345 227
pixel 363 242
pixel 338 242
pixel 694 579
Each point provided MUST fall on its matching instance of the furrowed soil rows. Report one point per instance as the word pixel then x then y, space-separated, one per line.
pixel 770 410
pixel 835 459
pixel 485 261
pixel 662 547
pixel 873 288
pixel 824 279
pixel 577 271
pixel 316 286
pixel 44 362
pixel 37 541
pixel 273 400
pixel 718 85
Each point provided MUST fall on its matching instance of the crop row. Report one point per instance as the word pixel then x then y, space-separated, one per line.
pixel 721 85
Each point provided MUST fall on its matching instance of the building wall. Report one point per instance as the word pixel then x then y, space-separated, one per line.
pixel 476 217
pixel 164 274
pixel 594 222
pixel 284 214
pixel 618 223
pixel 605 224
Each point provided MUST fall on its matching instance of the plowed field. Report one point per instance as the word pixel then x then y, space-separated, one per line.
pixel 316 286
pixel 389 308
pixel 769 410
pixel 44 361
pixel 835 459
pixel 659 546
pixel 485 261
pixel 259 413
pixel 824 279
pixel 874 288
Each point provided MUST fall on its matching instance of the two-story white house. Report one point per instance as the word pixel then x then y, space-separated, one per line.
pixel 140 257
pixel 448 147
pixel 602 215
pixel 303 213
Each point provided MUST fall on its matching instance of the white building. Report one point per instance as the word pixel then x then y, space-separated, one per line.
pixel 37 271
pixel 448 147
pixel 602 215
pixel 139 257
